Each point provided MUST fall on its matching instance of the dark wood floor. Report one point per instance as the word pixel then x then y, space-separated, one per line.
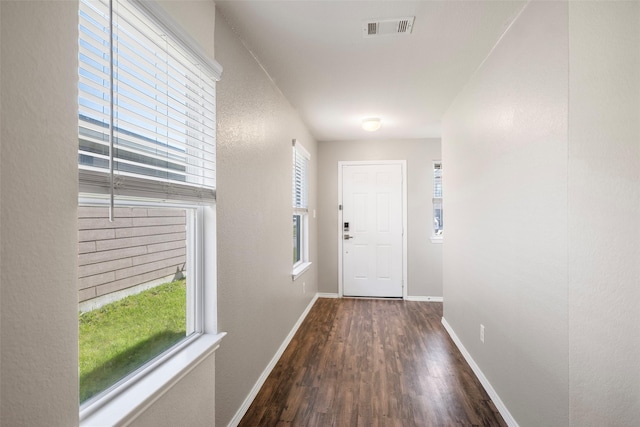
pixel 368 362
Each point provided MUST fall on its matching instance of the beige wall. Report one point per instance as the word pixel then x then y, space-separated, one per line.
pixel 542 177
pixel 505 258
pixel 258 303
pixel 38 212
pixel 39 300
pixel 604 213
pixel 424 262
pixel 188 403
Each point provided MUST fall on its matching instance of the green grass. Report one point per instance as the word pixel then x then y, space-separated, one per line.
pixel 118 338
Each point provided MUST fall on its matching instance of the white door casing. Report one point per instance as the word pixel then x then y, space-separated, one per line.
pixel 372 242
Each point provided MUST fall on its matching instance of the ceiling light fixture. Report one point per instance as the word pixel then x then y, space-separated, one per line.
pixel 371 124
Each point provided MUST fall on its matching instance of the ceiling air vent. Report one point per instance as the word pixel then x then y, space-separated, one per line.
pixel 387 27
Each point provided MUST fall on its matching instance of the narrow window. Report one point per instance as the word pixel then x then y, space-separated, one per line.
pixel 437 199
pixel 146 160
pixel 300 208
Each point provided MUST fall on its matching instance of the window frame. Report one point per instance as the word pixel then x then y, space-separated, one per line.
pixel 301 209
pixel 126 399
pixel 436 200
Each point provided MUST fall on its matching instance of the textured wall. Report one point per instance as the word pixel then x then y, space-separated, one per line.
pixel 543 176
pixel 504 148
pixel 258 303
pixel 424 262
pixel 38 95
pixel 604 213
pixel 197 18
pixel 188 404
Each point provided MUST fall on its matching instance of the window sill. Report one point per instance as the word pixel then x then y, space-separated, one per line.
pixel 126 402
pixel 436 239
pixel 299 270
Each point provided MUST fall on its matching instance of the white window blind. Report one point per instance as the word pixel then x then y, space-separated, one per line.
pixel 437 200
pixel 437 180
pixel 160 124
pixel 300 178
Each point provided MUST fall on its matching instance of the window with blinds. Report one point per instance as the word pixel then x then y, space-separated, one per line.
pixel 437 199
pixel 146 107
pixel 300 204
pixel 147 135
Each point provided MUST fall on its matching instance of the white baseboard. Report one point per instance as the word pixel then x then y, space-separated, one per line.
pixel 327 295
pixel 263 377
pixel 508 418
pixel 429 299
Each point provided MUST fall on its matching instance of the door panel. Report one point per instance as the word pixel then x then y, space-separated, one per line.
pixel 372 246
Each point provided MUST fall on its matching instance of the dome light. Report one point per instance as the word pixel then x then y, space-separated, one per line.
pixel 372 124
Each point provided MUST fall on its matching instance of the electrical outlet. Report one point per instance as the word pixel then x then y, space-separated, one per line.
pixel 482 333
pixel 304 287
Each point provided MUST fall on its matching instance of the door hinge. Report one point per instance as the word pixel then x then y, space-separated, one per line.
pixel 339 207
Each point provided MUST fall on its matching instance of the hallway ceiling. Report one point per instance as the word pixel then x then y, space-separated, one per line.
pixel 317 55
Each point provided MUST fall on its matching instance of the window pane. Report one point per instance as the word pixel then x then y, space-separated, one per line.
pixel 136 298
pixel 437 217
pixel 296 239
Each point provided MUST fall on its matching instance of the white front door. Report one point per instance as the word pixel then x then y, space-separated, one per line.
pixel 371 228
